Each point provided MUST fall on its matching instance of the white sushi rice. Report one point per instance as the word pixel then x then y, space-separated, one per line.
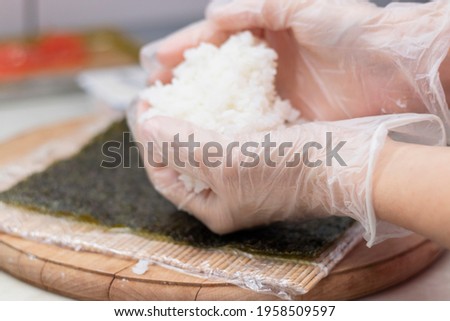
pixel 229 89
pixel 141 267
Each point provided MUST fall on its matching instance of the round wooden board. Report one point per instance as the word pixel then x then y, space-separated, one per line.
pixel 93 276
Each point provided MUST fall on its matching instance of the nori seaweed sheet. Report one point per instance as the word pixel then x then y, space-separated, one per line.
pixel 123 197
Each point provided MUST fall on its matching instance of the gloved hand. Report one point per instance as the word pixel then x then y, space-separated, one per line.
pixel 315 169
pixel 338 59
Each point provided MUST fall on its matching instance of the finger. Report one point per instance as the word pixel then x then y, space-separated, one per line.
pixel 141 108
pixel 159 58
pixel 171 50
pixel 240 15
pixel 237 15
pixel 167 182
pixel 180 145
pixel 205 206
pixel 148 57
pixel 163 75
pixel 276 15
pixel 134 112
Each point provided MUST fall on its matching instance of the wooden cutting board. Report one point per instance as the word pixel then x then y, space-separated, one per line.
pixel 93 276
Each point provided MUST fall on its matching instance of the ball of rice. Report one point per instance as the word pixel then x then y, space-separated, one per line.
pixel 229 89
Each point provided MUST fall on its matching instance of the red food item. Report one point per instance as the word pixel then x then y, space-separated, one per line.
pixel 61 50
pixel 14 60
pixel 51 52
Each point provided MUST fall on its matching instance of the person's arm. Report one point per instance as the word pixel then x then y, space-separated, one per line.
pixel 444 75
pixel 412 189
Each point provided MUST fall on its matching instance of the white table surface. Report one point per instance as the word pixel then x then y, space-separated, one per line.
pixel 24 115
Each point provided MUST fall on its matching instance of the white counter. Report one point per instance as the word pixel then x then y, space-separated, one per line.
pixel 16 117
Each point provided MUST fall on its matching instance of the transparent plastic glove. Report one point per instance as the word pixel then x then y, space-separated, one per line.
pixel 288 182
pixel 338 59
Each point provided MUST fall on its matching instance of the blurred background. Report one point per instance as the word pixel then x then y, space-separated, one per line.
pixel 154 17
pixel 147 18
